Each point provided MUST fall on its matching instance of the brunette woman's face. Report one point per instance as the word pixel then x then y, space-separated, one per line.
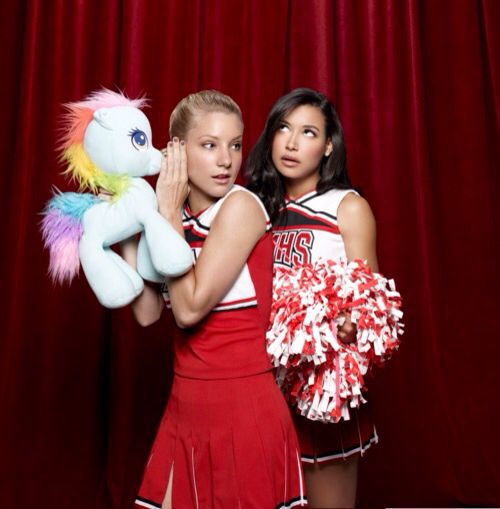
pixel 299 144
pixel 213 147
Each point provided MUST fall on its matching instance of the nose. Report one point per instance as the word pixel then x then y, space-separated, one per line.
pixel 224 158
pixel 291 142
pixel 154 162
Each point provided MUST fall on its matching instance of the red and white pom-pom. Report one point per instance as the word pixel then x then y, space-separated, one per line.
pixel 318 372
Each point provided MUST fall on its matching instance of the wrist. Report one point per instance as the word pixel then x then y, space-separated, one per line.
pixel 170 214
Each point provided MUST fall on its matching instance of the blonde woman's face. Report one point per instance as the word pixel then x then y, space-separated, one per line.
pixel 213 147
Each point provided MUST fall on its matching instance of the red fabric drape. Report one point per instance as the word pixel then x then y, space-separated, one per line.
pixel 417 86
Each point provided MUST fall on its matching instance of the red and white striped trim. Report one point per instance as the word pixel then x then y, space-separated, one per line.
pixel 192 225
pixel 237 304
pixel 299 227
pixel 250 302
pixel 319 216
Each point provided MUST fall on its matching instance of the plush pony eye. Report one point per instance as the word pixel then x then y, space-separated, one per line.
pixel 139 139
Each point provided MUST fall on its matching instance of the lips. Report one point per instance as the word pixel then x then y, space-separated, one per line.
pixel 289 161
pixel 222 178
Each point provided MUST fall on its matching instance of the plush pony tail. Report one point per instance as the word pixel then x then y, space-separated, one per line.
pixel 62 230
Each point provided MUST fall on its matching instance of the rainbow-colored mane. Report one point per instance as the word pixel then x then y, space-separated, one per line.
pixel 107 145
pixel 76 120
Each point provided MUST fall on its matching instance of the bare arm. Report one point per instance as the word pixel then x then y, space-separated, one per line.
pixel 171 191
pixel 148 306
pixel 358 229
pixel 222 258
pixel 225 250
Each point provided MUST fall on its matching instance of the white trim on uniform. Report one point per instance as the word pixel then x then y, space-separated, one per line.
pixel 299 501
pixel 244 303
pixel 194 478
pixel 142 503
pixel 301 483
pixel 361 449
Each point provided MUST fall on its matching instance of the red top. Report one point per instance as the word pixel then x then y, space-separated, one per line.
pixel 230 341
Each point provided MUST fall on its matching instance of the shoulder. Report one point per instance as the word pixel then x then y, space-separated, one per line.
pixel 241 208
pixel 241 199
pixel 330 200
pixel 353 204
pixel 247 198
pixel 354 211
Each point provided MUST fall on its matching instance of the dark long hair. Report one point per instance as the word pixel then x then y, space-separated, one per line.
pixel 263 178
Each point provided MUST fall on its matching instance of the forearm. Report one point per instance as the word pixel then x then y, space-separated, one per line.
pixel 174 217
pixel 148 306
pixel 189 305
pixel 368 253
pixel 186 307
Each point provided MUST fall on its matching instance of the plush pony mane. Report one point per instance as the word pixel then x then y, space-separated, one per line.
pixel 75 121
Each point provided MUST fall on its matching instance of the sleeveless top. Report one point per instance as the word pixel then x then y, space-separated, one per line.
pixel 230 341
pixel 307 229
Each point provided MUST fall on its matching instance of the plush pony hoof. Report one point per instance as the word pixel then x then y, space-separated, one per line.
pixel 115 300
pixel 176 270
pixel 172 258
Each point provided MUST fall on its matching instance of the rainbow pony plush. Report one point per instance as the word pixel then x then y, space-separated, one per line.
pixel 108 145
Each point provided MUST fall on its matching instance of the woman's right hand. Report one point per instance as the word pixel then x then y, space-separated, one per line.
pixel 172 186
pixel 347 331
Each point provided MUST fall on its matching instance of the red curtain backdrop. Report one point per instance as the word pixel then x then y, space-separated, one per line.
pixel 417 85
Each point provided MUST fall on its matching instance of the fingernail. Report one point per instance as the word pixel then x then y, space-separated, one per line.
pixel 176 139
pixel 170 143
pixel 182 142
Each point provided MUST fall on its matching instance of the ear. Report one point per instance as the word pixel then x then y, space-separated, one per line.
pixel 101 116
pixel 329 148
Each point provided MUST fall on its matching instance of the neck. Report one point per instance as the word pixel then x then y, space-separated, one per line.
pixel 298 187
pixel 198 201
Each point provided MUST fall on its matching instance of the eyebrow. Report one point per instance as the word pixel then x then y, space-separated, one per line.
pixel 307 126
pixel 239 137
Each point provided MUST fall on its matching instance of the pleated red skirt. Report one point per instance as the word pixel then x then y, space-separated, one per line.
pixel 230 443
pixel 322 442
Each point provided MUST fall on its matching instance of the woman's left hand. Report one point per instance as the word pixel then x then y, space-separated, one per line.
pixel 347 332
pixel 172 186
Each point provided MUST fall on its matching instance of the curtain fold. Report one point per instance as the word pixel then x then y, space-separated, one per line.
pixel 416 84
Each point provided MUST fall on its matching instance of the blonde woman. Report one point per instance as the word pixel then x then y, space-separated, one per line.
pixel 226 439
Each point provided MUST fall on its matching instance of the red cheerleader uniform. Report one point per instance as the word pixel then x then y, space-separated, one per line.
pixel 227 434
pixel 306 231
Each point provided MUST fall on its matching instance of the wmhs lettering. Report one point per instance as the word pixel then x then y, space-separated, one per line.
pixel 293 247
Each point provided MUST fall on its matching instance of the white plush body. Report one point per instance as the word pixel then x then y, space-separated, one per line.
pixel 112 279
